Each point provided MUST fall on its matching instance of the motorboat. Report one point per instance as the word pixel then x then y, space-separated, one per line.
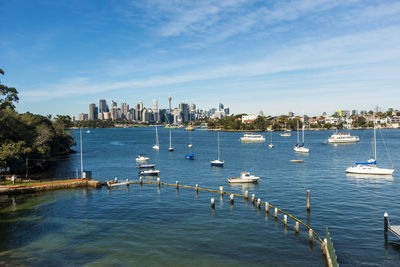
pixel 145 166
pixel 142 158
pixel 149 172
pixel 252 138
pixel 190 156
pixel 245 177
pixel 343 138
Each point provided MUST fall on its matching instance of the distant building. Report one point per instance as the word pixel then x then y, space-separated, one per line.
pixel 156 115
pixel 114 113
pixel 103 107
pixel 83 117
pixel 93 112
pixel 248 118
pixel 226 110
pixel 184 109
pixel 291 114
pixel 107 115
pixel 354 112
pixel 124 111
pixel 139 111
pixel 221 107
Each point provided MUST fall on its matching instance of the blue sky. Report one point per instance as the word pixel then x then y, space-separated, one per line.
pixel 305 56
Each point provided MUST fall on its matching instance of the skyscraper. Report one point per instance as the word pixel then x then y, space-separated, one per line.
pixel 184 109
pixel 155 111
pixel 93 111
pixel 103 107
pixel 139 111
pixel 221 107
pixel 124 110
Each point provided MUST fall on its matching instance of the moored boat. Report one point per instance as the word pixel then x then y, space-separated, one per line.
pixel 190 156
pixel 142 158
pixel 343 138
pixel 252 138
pixel 145 166
pixel 149 172
pixel 245 177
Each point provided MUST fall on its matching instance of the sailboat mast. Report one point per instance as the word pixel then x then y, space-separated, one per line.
pixel 170 140
pixel 218 145
pixel 80 131
pixel 303 130
pixel 157 136
pixel 298 138
pixel 374 141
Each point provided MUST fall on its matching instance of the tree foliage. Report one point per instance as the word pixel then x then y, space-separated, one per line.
pixel 8 95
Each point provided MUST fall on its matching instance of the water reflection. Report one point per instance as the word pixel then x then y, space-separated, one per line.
pixel 370 177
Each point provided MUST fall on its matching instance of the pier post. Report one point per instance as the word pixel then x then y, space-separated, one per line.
pixel 231 198
pixel 177 185
pixel 116 180
pixel 310 234
pixel 212 203
pixel 308 200
pixel 158 181
pixel 253 198
pixel 246 194
pixel 386 223
pixel 297 227
pixel 285 219
pixel 259 203
pixel 127 182
pixel 276 213
pixel 197 188
pixel 221 190
pixel 140 180
pixel 266 207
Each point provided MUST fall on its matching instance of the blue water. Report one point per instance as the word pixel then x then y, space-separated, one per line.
pixel 148 226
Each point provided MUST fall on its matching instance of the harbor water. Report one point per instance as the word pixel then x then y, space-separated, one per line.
pixel 150 226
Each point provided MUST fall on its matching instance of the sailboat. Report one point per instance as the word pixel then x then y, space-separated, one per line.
pixel 285 132
pixel 190 139
pixel 271 145
pixel 157 145
pixel 217 162
pixel 300 148
pixel 370 167
pixel 170 149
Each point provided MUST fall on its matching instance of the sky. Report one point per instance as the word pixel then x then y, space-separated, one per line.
pixel 307 57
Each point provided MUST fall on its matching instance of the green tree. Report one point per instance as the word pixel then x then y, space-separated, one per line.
pixel 9 95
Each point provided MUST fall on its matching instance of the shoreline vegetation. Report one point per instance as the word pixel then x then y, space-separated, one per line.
pixel 30 142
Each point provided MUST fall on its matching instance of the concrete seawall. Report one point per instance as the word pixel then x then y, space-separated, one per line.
pixel 49 186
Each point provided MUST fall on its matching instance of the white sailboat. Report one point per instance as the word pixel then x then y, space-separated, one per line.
pixel 190 139
pixel 157 145
pixel 217 162
pixel 370 167
pixel 170 149
pixel 300 148
pixel 271 145
pixel 285 132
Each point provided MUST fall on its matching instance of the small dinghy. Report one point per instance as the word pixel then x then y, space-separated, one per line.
pixel 245 177
pixel 190 156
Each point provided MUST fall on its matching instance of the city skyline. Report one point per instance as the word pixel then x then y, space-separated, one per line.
pixel 307 57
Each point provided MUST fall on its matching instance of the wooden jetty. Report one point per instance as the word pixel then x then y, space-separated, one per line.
pixel 394 229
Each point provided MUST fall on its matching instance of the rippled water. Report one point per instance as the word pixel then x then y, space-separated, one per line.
pixel 148 226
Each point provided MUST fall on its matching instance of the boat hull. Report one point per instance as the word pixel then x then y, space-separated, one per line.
pixel 243 180
pixel 286 134
pixel 149 173
pixel 369 170
pixel 217 163
pixel 301 149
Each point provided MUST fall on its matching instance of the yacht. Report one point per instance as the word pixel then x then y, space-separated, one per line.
pixel 157 145
pixel 252 138
pixel 286 133
pixel 343 138
pixel 370 167
pixel 218 162
pixel 245 177
pixel 299 147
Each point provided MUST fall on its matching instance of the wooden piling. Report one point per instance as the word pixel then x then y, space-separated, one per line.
pixel 158 181
pixel 212 203
pixel 140 180
pixel 259 203
pixel 266 207
pixel 253 198
pixel 127 182
pixel 231 198
pixel 297 227
pixel 308 200
pixel 386 223
pixel 310 234
pixel 221 190
pixel 197 188
pixel 276 213
pixel 246 194
pixel 177 185
pixel 285 219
